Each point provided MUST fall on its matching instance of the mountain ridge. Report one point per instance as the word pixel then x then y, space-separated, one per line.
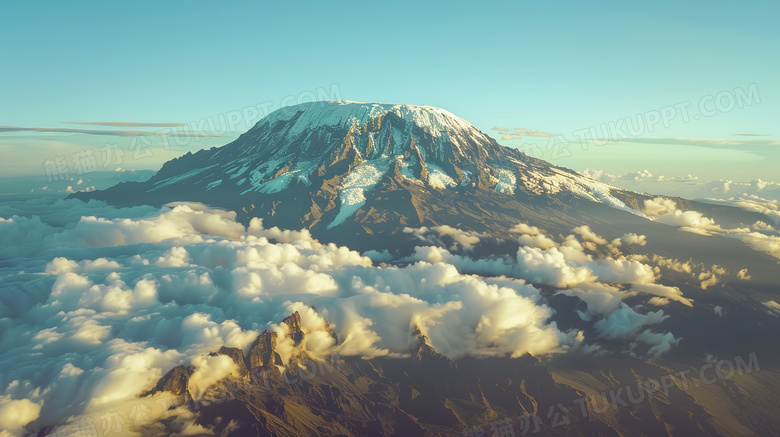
pixel 348 171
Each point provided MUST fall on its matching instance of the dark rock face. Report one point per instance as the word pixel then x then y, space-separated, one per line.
pixel 237 356
pixel 293 321
pixel 176 382
pixel 263 352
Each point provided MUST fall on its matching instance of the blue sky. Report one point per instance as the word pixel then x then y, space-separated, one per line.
pixel 551 68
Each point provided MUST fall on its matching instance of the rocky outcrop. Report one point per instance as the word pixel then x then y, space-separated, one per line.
pixel 237 356
pixel 176 381
pixel 263 353
pixel 425 393
pixel 293 321
pixel 262 356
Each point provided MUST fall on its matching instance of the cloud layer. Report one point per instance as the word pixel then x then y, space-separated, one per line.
pixel 96 304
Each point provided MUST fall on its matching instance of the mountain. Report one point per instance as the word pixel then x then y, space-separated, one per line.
pixel 359 174
pixel 351 171
pixel 426 394
pixel 384 176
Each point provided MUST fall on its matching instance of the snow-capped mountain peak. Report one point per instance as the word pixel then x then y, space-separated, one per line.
pixel 328 164
pixel 343 113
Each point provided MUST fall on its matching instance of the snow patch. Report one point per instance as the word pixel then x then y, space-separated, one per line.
pixel 240 171
pixel 299 172
pixel 406 168
pixel 589 189
pixel 506 182
pixel 341 114
pixel 179 178
pixel 361 179
pixel 466 179
pixel 438 179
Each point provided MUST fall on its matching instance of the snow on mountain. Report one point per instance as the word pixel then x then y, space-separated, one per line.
pixel 297 125
pixel 352 193
pixel 323 162
pixel 341 114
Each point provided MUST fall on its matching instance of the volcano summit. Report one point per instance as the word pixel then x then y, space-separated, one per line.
pixel 349 171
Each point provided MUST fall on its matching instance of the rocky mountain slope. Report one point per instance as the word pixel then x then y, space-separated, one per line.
pixel 425 394
pixel 350 172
